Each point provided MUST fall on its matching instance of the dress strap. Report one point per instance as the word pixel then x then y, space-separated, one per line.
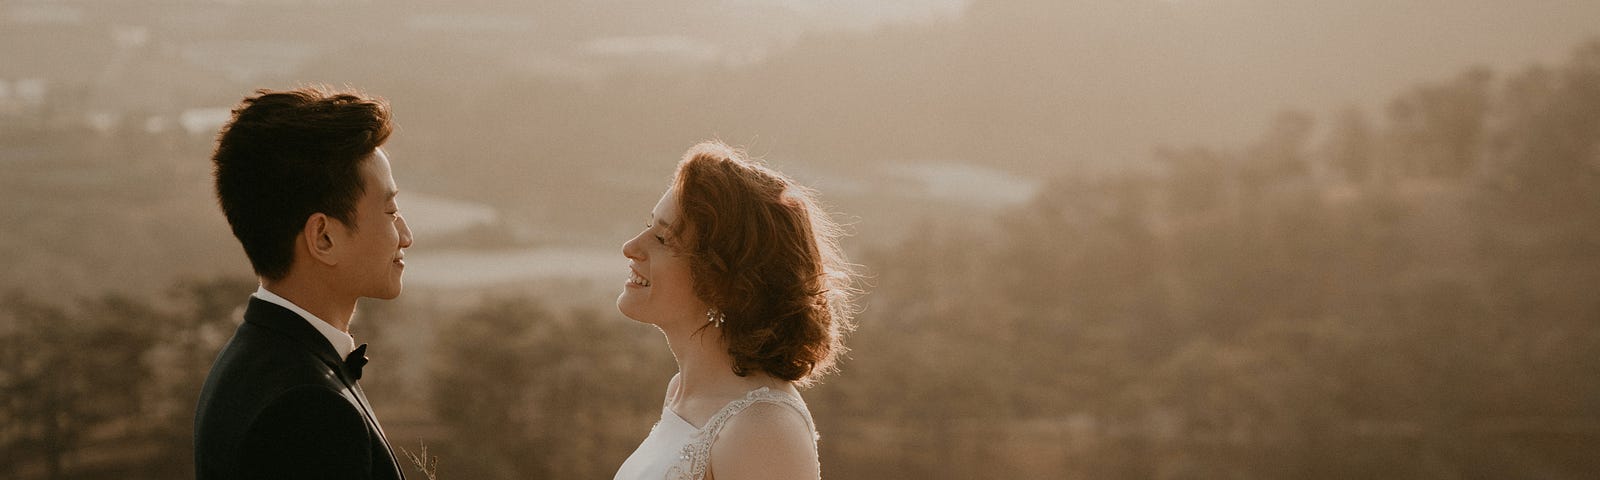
pixel 760 395
pixel 695 458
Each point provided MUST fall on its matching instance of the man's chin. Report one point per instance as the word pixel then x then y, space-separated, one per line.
pixel 389 294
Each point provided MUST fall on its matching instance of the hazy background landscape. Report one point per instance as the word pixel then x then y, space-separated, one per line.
pixel 1105 239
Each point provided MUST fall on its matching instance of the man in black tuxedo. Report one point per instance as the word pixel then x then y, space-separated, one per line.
pixel 308 192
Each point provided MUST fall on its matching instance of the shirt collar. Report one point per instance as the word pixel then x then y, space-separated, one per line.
pixel 342 342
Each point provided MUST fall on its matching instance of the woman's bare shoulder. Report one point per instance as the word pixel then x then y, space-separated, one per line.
pixel 766 440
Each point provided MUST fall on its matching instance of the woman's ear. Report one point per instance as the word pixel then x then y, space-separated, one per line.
pixel 319 235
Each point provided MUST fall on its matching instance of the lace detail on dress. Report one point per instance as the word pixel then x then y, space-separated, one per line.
pixel 695 458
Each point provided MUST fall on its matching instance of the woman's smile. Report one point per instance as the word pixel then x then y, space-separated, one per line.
pixel 636 280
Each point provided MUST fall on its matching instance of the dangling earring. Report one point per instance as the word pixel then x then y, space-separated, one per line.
pixel 714 316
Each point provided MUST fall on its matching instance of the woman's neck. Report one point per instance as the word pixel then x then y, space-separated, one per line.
pixel 704 366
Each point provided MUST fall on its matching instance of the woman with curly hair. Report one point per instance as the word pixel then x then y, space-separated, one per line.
pixel 741 270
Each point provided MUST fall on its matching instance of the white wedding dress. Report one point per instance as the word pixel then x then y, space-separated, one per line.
pixel 676 450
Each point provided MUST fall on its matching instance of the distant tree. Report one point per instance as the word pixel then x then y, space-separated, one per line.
pixel 1199 180
pixel 1546 152
pixel 530 393
pixel 1439 129
pixel 206 312
pixel 77 374
pixel 1351 148
pixel 1281 152
pixel 1541 239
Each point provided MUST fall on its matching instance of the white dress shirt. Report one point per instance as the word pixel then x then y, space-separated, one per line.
pixel 342 342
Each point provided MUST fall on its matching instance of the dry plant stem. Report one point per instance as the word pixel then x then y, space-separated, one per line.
pixel 428 465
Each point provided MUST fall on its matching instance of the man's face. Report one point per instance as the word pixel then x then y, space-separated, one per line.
pixel 372 265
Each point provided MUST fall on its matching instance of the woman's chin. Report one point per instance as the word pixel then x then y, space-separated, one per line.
pixel 627 310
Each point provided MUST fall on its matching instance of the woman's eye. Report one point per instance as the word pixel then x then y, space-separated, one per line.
pixel 661 239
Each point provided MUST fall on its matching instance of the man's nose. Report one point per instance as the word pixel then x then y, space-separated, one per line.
pixel 405 232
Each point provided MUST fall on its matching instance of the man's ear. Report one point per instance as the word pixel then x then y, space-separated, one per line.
pixel 319 235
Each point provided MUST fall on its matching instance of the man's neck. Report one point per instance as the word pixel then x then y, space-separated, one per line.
pixel 316 299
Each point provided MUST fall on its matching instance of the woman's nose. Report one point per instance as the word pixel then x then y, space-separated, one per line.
pixel 630 248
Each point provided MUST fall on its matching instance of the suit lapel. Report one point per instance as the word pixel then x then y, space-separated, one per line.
pixel 272 317
pixel 362 396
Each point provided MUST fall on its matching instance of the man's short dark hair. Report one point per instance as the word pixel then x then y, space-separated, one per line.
pixel 286 155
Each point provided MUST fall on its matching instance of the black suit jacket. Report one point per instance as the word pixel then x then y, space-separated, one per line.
pixel 280 404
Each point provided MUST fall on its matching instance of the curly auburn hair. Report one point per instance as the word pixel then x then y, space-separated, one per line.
pixel 763 253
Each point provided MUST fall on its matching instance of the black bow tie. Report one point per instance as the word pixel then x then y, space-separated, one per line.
pixel 356 360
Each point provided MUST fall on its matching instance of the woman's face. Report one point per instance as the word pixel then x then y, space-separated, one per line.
pixel 658 290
